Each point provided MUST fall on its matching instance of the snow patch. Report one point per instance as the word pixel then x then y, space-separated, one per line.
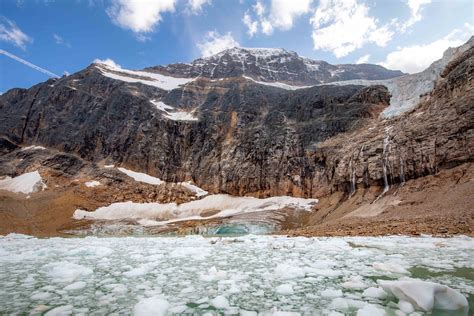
pixel 33 147
pixel 114 71
pixel 280 85
pixel 91 184
pixel 141 177
pixel 175 115
pixel 26 183
pixel 197 190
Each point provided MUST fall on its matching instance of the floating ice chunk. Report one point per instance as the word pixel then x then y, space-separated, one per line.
pixel 66 272
pixel 213 274
pixel 390 267
pixel 371 310
pixel 141 177
pixel 117 288
pixel 286 271
pixel 177 309
pixel 406 307
pixel 60 311
pixel 152 306
pixel 26 183
pixel 331 293
pixel 40 296
pixel 330 273
pixel 91 184
pixel 424 295
pixel 284 289
pixel 196 253
pixel 276 312
pixel 355 282
pixel 75 286
pixel 93 251
pixel 220 302
pixel 374 292
pixel 244 312
pixel 142 270
pixel 340 303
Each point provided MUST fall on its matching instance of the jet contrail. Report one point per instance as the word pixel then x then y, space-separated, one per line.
pixel 46 72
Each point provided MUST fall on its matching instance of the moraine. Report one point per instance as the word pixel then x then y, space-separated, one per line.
pixel 270 275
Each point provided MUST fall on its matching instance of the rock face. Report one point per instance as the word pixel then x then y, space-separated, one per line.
pixel 273 65
pixel 244 137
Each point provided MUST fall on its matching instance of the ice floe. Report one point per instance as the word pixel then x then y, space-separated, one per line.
pixel 246 275
pixel 425 296
pixel 26 183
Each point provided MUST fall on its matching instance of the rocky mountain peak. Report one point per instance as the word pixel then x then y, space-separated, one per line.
pixel 272 65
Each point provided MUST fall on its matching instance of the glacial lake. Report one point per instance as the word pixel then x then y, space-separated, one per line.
pixel 246 275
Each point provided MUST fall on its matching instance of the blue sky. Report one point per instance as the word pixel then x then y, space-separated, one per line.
pixel 66 36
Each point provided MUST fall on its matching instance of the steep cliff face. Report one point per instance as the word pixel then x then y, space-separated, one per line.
pixel 437 134
pixel 237 136
pixel 247 137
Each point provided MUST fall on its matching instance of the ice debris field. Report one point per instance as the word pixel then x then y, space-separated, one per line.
pixel 249 275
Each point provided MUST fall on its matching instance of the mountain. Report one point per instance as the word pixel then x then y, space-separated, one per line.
pixel 260 122
pixel 273 65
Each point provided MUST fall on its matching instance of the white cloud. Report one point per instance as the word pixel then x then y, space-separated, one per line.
pixel 281 15
pixel 267 27
pixel 342 26
pixel 60 41
pixel 214 43
pixel 109 62
pixel 363 59
pixel 415 13
pixel 259 8
pixel 139 16
pixel 195 6
pixel 283 12
pixel 416 58
pixel 10 32
pixel 252 26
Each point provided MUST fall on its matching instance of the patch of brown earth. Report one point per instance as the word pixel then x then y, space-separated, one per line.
pixel 441 204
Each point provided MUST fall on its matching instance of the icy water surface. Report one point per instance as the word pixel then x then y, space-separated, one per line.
pixel 194 275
